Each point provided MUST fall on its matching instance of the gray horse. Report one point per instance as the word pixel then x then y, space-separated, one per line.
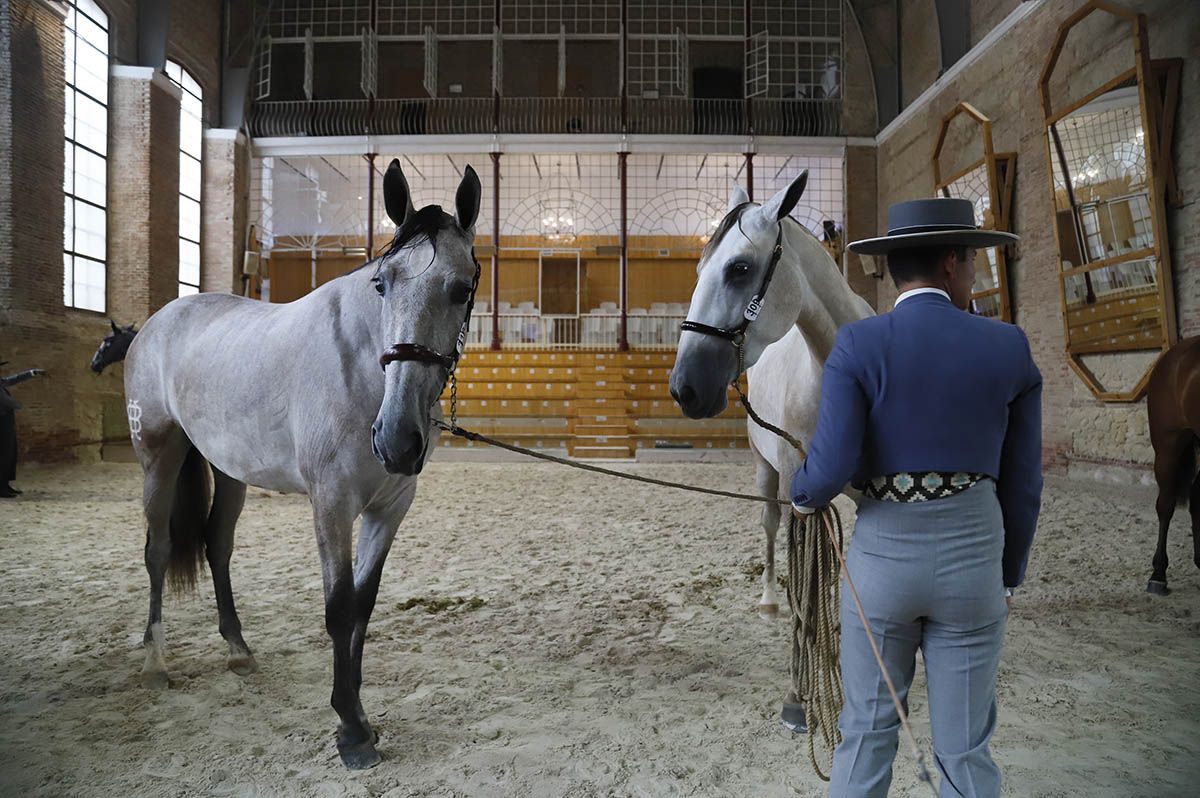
pixel 292 398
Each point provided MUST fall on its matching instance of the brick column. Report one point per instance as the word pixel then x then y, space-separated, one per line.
pixel 143 193
pixel 861 200
pixel 223 210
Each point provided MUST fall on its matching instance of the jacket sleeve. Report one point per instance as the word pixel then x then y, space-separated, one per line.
pixel 1020 483
pixel 836 448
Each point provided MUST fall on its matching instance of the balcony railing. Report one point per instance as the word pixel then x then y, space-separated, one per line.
pixel 543 115
pixel 600 330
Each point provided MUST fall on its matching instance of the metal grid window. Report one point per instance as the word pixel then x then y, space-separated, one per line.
pixel 547 17
pixel 824 194
pixel 655 65
pixel 191 142
pixel 446 17
pixel 1103 146
pixel 290 18
pixel 803 69
pixel 694 17
pixel 559 195
pixel 85 153
pixel 790 19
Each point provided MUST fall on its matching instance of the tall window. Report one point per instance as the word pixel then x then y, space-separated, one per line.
pixel 191 137
pixel 85 175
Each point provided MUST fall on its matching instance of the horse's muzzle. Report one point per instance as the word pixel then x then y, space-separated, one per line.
pixel 400 453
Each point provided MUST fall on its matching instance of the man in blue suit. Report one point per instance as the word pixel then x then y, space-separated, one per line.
pixel 935 414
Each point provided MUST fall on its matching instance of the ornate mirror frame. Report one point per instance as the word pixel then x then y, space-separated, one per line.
pixel 1158 89
pixel 999 171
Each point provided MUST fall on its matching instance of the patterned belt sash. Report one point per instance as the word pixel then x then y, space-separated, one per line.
pixel 920 486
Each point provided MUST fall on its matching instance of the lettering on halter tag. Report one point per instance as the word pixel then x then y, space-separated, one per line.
pixel 462 339
pixel 134 411
pixel 753 309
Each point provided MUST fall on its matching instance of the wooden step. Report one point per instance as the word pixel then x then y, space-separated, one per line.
pixel 605 452
pixel 598 429
pixel 553 408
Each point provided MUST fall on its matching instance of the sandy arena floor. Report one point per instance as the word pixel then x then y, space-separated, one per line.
pixel 544 632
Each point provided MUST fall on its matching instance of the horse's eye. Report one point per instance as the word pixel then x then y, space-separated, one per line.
pixel 738 268
pixel 378 286
pixel 460 294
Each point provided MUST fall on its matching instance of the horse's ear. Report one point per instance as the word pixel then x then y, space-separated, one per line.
pixel 114 326
pixel 737 196
pixel 782 203
pixel 466 201
pixel 396 196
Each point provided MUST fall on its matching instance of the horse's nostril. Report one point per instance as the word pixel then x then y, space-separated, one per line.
pixel 686 395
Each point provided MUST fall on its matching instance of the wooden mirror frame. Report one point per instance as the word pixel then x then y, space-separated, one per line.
pixel 1158 92
pixel 1001 172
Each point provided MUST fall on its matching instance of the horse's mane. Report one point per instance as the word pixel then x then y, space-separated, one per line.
pixel 734 217
pixel 422 225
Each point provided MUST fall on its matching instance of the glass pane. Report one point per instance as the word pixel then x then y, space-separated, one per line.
pixel 190 135
pixel 91 33
pixel 189 262
pixel 973 186
pixel 189 219
pixel 68 279
pixel 91 72
pixel 987 269
pixel 191 106
pixel 68 223
pixel 68 166
pixel 92 10
pixel 89 231
pixel 189 176
pixel 69 57
pixel 188 290
pixel 69 113
pixel 91 124
pixel 988 306
pixel 89 284
pixel 173 71
pixel 1113 306
pixel 90 176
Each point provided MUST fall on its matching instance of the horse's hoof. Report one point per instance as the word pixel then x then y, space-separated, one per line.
pixel 768 611
pixel 793 719
pixel 360 757
pixel 243 665
pixel 155 680
pixel 1157 588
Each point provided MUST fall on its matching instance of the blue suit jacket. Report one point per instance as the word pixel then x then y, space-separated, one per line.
pixel 928 387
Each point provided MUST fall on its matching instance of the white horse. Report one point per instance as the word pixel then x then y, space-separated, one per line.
pixel 797 306
pixel 293 398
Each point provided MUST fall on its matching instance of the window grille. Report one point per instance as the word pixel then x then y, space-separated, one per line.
pixel 191 142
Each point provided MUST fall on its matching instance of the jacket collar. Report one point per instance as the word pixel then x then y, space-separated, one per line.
pixel 925 295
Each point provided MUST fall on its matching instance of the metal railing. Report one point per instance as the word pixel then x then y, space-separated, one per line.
pixel 528 330
pixel 543 115
pixel 560 114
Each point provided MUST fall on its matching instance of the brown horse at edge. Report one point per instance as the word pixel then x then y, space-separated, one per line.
pixel 1173 404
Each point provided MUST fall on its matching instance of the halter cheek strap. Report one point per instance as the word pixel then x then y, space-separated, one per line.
pixel 737 334
pixel 419 353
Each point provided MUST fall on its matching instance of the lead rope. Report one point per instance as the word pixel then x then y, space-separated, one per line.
pixel 813 590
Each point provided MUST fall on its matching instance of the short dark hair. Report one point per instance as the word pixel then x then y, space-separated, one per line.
pixel 919 263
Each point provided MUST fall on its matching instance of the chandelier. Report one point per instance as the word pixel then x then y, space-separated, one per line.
pixel 558 212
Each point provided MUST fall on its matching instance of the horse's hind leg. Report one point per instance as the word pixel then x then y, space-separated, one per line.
pixel 1194 505
pixel 766 482
pixel 229 497
pixel 1170 455
pixel 162 464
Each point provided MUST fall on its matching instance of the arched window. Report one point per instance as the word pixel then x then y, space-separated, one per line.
pixel 191 138
pixel 85 177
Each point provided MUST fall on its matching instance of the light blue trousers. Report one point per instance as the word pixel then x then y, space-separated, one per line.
pixel 929 577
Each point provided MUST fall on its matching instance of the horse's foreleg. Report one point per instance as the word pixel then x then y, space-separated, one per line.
pixel 229 497
pixel 374 542
pixel 766 481
pixel 334 525
pixel 158 495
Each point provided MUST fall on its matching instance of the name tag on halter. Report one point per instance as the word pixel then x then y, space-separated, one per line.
pixel 462 339
pixel 753 309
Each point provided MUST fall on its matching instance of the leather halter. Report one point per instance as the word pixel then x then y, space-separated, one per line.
pixel 736 335
pixel 419 353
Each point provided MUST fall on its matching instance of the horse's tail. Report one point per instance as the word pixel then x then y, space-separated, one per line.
pixel 189 514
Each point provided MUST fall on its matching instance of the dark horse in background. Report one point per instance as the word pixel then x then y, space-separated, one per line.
pixel 1173 403
pixel 114 346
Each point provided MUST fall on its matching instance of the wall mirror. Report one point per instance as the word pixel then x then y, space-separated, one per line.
pixel 1108 113
pixel 966 166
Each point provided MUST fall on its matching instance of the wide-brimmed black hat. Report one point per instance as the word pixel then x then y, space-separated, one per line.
pixel 941 221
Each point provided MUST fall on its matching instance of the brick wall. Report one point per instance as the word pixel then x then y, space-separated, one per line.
pixel 224 211
pixel 66 415
pixel 1081 434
